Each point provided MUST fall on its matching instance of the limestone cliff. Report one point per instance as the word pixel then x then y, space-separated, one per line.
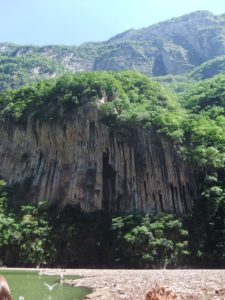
pixel 81 160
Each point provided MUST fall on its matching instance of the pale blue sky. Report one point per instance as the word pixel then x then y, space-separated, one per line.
pixel 72 22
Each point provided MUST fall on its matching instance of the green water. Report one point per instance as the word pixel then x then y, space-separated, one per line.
pixel 31 286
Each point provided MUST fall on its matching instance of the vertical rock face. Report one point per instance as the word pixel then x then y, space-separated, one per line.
pixel 81 161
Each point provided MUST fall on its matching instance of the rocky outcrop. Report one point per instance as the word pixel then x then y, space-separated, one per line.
pixel 80 160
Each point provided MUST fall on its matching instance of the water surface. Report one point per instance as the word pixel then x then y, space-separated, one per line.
pixel 31 286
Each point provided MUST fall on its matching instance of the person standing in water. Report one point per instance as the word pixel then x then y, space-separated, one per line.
pixel 4 289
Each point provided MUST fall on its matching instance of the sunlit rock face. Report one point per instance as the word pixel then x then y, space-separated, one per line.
pixel 80 160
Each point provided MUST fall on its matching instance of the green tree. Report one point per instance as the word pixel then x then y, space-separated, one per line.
pixel 151 241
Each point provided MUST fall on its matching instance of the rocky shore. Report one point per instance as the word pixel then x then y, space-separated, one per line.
pixel 134 284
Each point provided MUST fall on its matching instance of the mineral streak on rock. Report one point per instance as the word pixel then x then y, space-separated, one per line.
pixel 80 160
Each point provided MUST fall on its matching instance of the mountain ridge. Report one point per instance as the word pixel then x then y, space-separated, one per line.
pixel 175 46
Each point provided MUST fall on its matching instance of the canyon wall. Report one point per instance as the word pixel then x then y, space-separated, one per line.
pixel 80 160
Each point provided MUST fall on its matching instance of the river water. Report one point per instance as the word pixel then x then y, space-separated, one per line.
pixel 27 285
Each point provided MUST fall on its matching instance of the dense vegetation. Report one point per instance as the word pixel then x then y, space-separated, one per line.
pixel 25 234
pixel 45 236
pixel 41 235
pixel 49 99
pixel 195 122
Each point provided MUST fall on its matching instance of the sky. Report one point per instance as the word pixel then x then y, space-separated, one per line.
pixel 72 22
